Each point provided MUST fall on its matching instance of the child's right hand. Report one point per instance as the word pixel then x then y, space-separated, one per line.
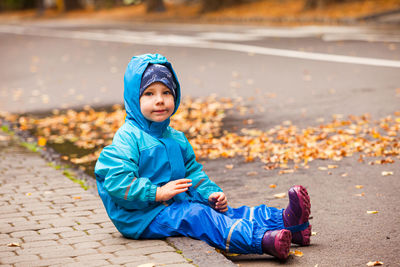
pixel 171 189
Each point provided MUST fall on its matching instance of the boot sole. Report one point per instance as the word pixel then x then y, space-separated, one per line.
pixel 302 238
pixel 282 244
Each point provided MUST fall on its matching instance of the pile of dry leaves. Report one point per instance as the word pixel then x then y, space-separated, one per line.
pixel 285 146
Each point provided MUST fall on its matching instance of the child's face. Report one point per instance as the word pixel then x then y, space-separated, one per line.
pixel 157 102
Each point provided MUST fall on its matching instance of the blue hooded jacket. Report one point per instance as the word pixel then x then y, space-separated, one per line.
pixel 145 155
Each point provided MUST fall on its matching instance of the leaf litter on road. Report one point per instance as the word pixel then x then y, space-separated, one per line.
pixel 285 146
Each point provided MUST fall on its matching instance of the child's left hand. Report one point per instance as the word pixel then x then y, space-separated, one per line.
pixel 219 200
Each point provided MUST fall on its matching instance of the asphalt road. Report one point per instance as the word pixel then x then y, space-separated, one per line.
pixel 296 74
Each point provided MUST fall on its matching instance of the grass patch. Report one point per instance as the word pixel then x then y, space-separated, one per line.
pixel 70 175
pixel 30 146
pixel 7 130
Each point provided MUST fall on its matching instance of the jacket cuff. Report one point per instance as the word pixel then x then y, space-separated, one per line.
pixel 151 195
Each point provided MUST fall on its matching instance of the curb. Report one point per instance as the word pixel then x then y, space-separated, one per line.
pixel 196 252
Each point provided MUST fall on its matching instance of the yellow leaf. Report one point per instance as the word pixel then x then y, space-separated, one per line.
pixel 372 211
pixel 229 166
pixel 322 168
pixel 286 171
pixel 385 173
pixel 313 233
pixel 374 263
pixel 14 244
pixel 359 186
pixel 280 195
pixel 77 197
pixel 272 186
pixel 28 194
pixel 42 141
pixel 297 253
pixel 332 166
pixel 360 195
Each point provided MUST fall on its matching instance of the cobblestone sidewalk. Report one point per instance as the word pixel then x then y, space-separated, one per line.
pixel 47 219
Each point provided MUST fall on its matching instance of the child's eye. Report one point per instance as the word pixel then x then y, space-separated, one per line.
pixel 148 93
pixel 167 92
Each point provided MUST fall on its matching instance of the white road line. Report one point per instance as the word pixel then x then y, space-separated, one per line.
pixel 193 42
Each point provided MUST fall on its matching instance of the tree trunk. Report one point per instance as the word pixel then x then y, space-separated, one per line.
pixel 155 6
pixel 213 5
pixel 39 7
pixel 314 4
pixel 71 5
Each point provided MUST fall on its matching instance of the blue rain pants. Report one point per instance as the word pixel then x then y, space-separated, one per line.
pixel 236 231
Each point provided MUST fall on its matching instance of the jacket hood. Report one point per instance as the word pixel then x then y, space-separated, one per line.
pixel 132 80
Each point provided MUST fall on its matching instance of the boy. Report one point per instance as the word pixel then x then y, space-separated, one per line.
pixel 152 186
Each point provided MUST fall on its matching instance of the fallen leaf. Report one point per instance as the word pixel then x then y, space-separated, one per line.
pixel 229 166
pixel 297 253
pixel 14 244
pixel 77 197
pixel 28 194
pixel 344 174
pixel 280 195
pixel 374 263
pixel 322 168
pixel 372 211
pixel 252 173
pixel 42 141
pixel 360 195
pixel 386 173
pixel 286 171
pixel 359 186
pixel 332 166
pixel 313 233
pixel 272 186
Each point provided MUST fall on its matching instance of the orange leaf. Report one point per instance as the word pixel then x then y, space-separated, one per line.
pixel 42 141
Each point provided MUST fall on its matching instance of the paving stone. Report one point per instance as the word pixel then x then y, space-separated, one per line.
pixel 60 223
pixel 85 245
pixel 36 244
pixel 37 237
pixel 4 254
pixel 102 230
pixel 47 262
pixel 144 251
pixel 178 265
pixel 98 256
pixel 13 219
pixel 89 263
pixel 129 259
pixel 19 258
pixel 145 243
pixel 67 253
pixel 24 233
pixel 168 257
pixel 111 248
pixel 14 215
pixel 85 227
pixel 55 230
pixel 100 237
pixel 5 241
pixel 114 240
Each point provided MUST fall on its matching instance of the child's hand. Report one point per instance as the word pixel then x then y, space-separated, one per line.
pixel 171 189
pixel 219 200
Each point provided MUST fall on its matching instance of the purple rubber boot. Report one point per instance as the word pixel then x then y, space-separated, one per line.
pixel 277 243
pixel 298 212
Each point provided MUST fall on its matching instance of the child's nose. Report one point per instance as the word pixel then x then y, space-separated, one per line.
pixel 159 98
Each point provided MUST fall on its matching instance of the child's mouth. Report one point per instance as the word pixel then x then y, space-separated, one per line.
pixel 160 111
